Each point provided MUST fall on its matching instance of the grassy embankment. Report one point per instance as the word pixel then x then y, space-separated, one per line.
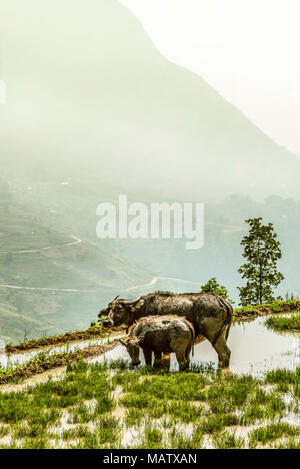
pixel 96 406
pixel 96 331
pixel 42 362
pixel 291 323
pixel 248 312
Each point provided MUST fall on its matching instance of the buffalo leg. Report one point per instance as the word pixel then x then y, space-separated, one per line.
pixel 165 362
pixel 148 356
pixel 223 351
pixel 187 353
pixel 157 359
pixel 209 329
pixel 183 363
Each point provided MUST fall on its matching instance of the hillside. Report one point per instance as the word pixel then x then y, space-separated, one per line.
pixel 90 88
pixel 51 281
pixel 73 206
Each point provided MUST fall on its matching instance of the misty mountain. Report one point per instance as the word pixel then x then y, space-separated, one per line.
pixel 94 110
pixel 89 96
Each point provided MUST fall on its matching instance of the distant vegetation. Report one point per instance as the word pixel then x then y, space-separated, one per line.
pixel 284 323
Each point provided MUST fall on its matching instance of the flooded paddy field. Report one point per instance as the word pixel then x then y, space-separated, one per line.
pixel 101 406
pixel 102 402
pixel 15 359
pixel 254 349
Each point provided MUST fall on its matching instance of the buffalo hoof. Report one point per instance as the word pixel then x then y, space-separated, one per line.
pixel 225 371
pixel 183 365
pixel 157 363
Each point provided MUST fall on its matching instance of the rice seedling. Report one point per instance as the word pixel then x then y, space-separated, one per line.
pixel 178 440
pixel 283 376
pixel 228 440
pixel 4 430
pixel 271 432
pixel 191 408
pixel 152 438
pixel 184 411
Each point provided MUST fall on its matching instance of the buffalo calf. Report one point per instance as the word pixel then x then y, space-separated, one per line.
pixel 160 334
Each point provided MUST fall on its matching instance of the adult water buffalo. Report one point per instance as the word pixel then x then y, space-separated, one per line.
pixel 210 315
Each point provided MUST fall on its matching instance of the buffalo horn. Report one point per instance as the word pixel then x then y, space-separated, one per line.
pixel 131 302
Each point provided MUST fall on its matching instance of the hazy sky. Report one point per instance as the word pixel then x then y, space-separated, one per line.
pixel 249 50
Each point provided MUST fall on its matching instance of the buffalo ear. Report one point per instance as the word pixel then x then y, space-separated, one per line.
pixel 141 338
pixel 122 341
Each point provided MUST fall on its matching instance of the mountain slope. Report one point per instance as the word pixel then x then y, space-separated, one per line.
pixel 90 89
pixel 51 281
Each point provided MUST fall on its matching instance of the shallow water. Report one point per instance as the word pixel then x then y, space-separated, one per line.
pixel 15 359
pixel 254 349
pixel 54 374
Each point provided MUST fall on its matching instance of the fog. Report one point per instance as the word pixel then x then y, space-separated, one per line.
pixel 90 109
pixel 247 50
pixel 89 96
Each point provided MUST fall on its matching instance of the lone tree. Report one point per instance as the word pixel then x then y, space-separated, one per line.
pixel 213 286
pixel 262 251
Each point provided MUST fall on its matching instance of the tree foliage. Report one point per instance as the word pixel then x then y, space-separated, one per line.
pixel 213 286
pixel 262 251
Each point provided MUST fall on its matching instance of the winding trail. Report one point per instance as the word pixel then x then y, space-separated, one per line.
pixel 153 282
pixel 73 243
pixel 74 290
pixel 156 279
pixel 66 290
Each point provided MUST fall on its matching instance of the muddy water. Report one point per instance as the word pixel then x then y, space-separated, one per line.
pixel 255 349
pixel 54 374
pixel 16 359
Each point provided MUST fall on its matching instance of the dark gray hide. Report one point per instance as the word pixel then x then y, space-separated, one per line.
pixel 210 315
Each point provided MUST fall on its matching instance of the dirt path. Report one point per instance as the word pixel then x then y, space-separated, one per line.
pixel 76 241
pixel 75 290
pixel 66 290
pixel 156 279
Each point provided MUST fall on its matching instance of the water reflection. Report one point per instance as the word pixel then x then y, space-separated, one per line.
pixel 15 359
pixel 255 349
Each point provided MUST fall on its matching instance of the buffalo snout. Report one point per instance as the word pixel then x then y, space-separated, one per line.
pixel 136 363
pixel 107 323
